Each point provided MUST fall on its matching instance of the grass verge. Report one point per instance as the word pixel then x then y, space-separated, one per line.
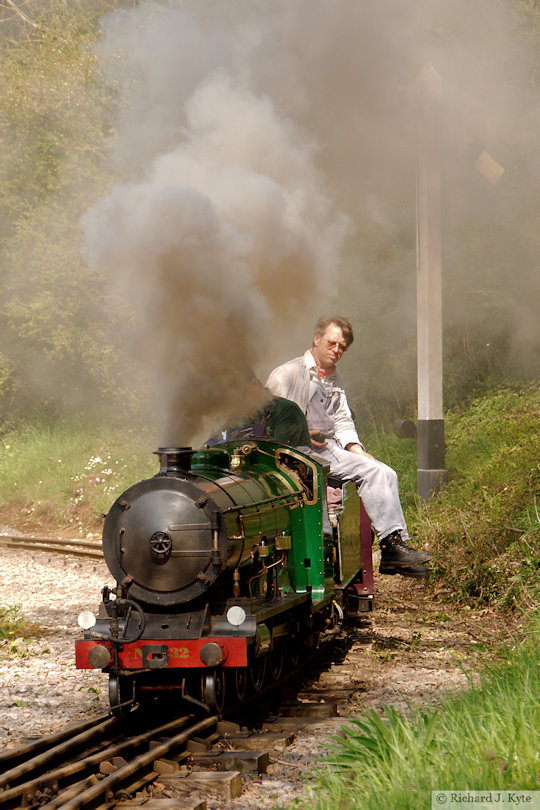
pixel 483 529
pixel 483 739
pixel 68 473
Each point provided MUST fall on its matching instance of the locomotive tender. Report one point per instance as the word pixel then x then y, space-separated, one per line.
pixel 228 569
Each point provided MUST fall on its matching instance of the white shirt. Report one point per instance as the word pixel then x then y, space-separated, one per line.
pixel 293 380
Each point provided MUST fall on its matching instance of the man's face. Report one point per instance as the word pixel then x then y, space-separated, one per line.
pixel 328 348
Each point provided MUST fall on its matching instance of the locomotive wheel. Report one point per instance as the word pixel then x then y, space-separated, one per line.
pixel 275 661
pixel 121 694
pixel 238 682
pixel 312 641
pixel 213 690
pixel 257 671
pixel 294 647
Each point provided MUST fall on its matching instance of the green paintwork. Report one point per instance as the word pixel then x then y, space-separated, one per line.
pixel 310 559
pixel 254 475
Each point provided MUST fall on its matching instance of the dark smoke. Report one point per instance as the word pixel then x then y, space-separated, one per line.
pixel 254 137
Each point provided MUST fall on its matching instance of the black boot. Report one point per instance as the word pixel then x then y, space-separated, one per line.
pixel 394 552
pixel 415 571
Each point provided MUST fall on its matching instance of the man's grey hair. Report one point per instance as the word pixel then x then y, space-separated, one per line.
pixel 344 324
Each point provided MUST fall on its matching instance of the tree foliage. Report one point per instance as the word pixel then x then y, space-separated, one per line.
pixel 55 128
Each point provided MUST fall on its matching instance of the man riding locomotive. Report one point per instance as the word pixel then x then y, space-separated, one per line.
pixel 315 386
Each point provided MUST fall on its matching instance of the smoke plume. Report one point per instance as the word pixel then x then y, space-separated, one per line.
pixel 268 156
pixel 228 235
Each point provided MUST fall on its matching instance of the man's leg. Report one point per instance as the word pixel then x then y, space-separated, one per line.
pixel 378 487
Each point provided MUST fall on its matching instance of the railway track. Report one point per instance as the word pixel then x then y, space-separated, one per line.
pixel 77 548
pixel 90 763
pixel 107 761
pixel 103 765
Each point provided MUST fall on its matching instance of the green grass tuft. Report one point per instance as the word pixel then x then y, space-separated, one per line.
pixel 13 626
pixel 484 738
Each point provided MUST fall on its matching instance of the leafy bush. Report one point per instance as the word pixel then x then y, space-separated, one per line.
pixel 55 127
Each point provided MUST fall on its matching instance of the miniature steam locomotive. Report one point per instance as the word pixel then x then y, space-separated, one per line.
pixel 229 567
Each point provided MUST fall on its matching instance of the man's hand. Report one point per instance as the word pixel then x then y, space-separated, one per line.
pixel 317 439
pixel 352 447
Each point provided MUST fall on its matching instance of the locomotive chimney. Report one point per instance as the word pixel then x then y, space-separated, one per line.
pixel 174 460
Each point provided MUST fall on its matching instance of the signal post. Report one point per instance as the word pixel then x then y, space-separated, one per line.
pixel 430 436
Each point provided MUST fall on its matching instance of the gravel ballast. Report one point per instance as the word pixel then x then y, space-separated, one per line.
pixel 40 689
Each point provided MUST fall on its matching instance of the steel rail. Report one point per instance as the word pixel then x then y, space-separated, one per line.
pixel 13 755
pixel 62 748
pixel 9 796
pixel 107 785
pixel 78 548
pixel 51 540
pixel 100 756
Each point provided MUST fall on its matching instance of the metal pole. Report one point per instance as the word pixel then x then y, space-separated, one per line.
pixel 430 442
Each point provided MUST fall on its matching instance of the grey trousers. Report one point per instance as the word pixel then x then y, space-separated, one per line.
pixel 377 486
